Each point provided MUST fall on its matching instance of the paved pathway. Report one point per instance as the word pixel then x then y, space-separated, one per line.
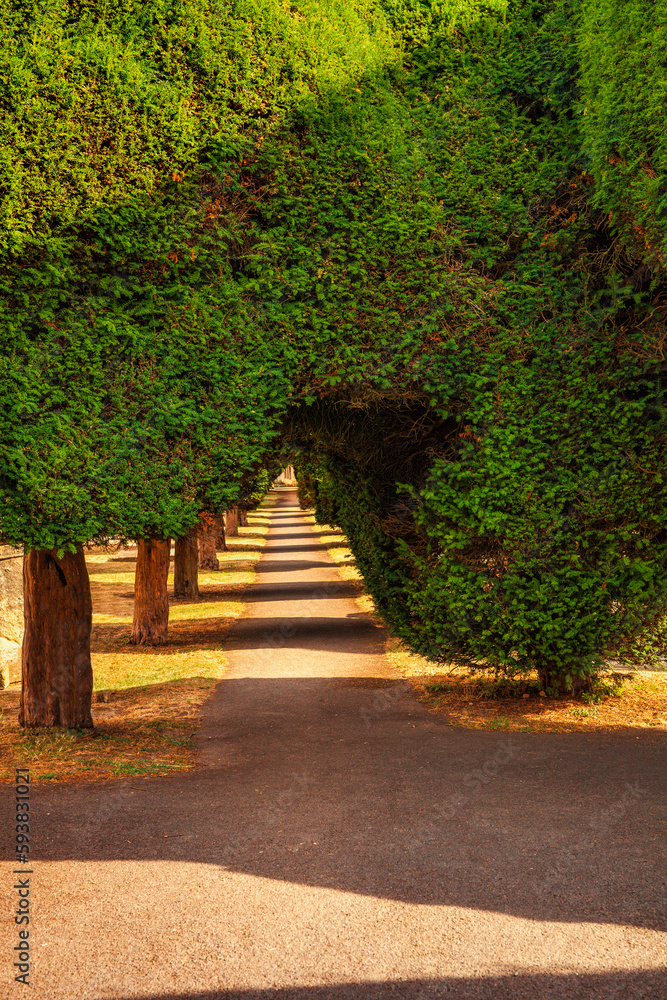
pixel 341 842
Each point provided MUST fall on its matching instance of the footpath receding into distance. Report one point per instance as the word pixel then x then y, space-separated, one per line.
pixel 339 841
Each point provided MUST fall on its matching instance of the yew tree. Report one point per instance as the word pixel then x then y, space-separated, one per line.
pixel 386 231
pixel 495 447
pixel 140 376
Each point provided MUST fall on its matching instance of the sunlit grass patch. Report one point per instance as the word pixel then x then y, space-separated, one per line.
pixel 240 553
pixel 142 665
pixel 106 575
pixel 336 545
pixel 253 536
pixel 145 768
pixel 147 699
pixel 482 701
pixel 213 578
pixel 205 609
pixel 410 664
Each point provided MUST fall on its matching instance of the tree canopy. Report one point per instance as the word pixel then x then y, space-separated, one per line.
pixel 420 245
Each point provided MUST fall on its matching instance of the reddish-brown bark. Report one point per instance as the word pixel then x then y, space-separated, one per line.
pixel 220 541
pixel 232 522
pixel 208 533
pixel 243 517
pixel 186 560
pixel 56 670
pixel 151 604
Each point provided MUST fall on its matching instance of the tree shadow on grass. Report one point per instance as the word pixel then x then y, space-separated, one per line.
pixel 111 568
pixel 338 589
pixel 317 547
pixel 232 546
pixel 311 536
pixel 291 565
pixel 324 634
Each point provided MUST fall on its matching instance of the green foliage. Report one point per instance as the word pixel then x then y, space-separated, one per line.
pixel 528 534
pixel 380 235
pixel 647 647
pixel 117 99
pixel 128 415
pixel 255 485
pixel 143 381
pixel 546 525
pixel 601 689
pixel 623 47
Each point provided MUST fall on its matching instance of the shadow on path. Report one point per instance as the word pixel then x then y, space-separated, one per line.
pixel 611 986
pixel 320 769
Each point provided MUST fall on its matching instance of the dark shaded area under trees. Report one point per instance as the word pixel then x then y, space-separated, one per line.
pixel 420 249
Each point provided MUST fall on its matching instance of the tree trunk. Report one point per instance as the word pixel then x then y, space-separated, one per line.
pixel 554 681
pixel 151 604
pixel 232 522
pixel 55 662
pixel 208 533
pixel 243 517
pixel 220 541
pixel 186 559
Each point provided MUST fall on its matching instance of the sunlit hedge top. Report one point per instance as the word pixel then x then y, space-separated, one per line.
pixel 386 232
pixel 103 101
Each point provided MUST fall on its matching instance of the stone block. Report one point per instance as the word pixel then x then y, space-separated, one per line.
pixel 11 614
pixel 10 662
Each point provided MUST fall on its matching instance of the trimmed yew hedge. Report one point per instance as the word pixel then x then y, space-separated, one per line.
pixel 419 245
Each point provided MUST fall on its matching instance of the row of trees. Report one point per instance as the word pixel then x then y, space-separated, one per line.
pixel 57 675
pixel 198 549
pixel 420 245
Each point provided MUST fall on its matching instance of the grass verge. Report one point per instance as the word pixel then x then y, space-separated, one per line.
pixel 338 548
pixel 146 700
pixel 631 700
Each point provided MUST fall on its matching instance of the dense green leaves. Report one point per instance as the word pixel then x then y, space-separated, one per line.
pixel 623 46
pixel 528 531
pixel 382 235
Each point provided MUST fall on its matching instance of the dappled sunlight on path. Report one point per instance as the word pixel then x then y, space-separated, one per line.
pixel 231 931
pixel 339 841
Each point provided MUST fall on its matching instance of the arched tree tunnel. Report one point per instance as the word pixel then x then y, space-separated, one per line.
pixel 405 257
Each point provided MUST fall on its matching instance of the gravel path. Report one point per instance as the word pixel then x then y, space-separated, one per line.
pixel 341 842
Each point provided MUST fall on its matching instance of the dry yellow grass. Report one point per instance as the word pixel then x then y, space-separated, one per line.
pixel 140 732
pixel 622 701
pixel 147 700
